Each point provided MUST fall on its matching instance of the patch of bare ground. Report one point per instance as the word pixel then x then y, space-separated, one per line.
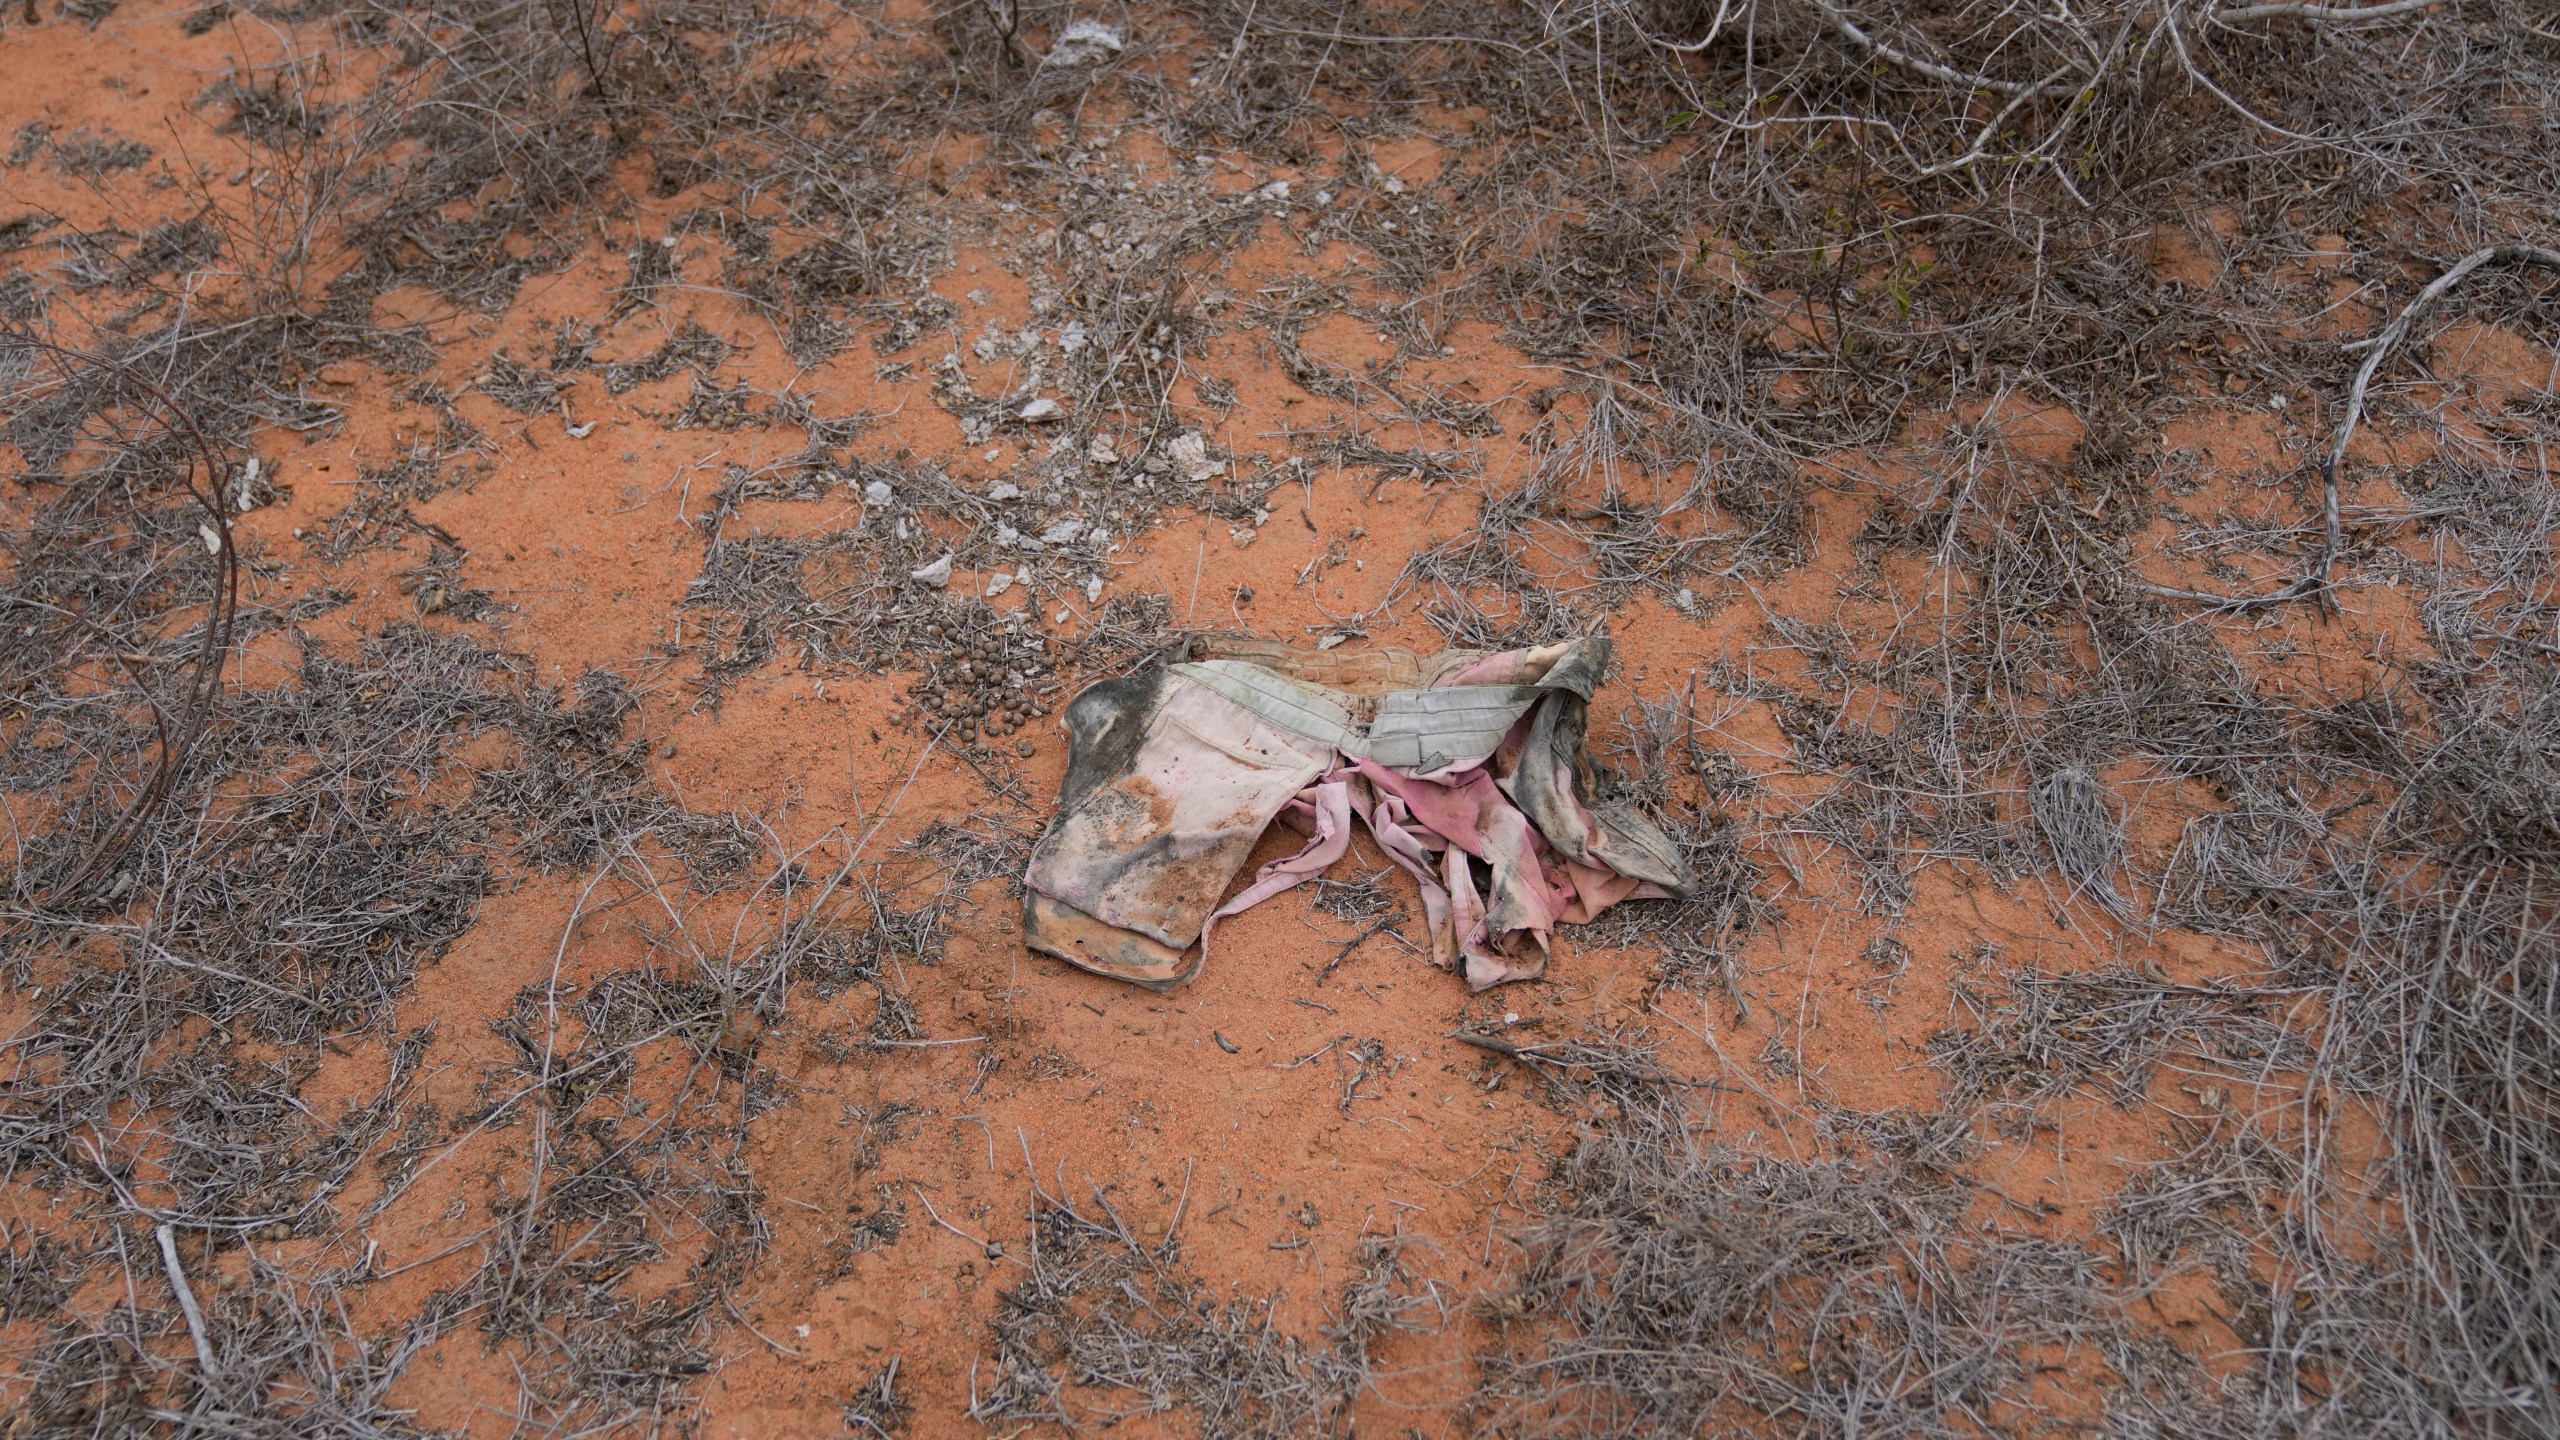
pixel 543 546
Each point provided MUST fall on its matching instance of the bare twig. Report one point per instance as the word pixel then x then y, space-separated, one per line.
pixel 168 1237
pixel 2315 579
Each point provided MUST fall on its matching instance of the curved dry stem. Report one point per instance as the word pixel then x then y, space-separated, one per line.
pixel 2052 86
pixel 2314 580
pixel 195 709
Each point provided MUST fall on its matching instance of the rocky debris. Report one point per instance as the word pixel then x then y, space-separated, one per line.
pixel 1084 42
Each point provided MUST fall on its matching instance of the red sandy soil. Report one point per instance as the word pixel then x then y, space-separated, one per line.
pixel 590 544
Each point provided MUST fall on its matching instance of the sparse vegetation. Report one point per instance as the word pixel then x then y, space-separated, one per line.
pixel 2068 481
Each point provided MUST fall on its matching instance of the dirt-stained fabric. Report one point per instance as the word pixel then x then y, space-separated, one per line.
pixel 1467 767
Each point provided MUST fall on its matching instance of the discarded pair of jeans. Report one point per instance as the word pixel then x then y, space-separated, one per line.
pixel 1467 767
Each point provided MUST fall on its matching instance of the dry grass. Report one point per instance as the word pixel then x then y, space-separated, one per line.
pixel 1758 241
pixel 1106 1326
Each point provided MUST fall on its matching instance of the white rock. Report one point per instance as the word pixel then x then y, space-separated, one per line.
pixel 1085 41
pixel 878 492
pixel 1093 590
pixel 1062 532
pixel 1072 337
pixel 937 574
pixel 998 584
pixel 1043 411
pixel 1190 454
pixel 1006 534
pixel 1100 451
pixel 1276 190
pixel 1004 490
pixel 1329 641
pixel 1686 599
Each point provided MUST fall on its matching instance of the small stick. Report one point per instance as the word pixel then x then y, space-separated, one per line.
pixel 1498 1047
pixel 1354 943
pixel 186 1300
pixel 991 1249
pixel 1181 1206
pixel 2336 14
pixel 1306 1059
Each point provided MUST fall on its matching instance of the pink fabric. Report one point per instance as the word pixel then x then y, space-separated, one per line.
pixel 1328 805
pixel 1194 799
pixel 1131 871
pixel 1508 667
pixel 1451 807
pixel 1392 825
pixel 1432 828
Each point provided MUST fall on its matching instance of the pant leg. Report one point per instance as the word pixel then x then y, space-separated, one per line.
pixel 1170 784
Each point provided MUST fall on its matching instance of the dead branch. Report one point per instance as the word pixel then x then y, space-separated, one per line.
pixel 2314 581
